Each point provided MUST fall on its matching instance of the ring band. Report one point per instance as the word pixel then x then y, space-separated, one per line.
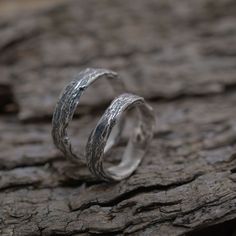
pixel 108 130
pixel 137 145
pixel 67 104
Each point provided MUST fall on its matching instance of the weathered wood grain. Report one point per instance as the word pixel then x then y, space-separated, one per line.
pixel 161 49
pixel 186 182
pixel 181 56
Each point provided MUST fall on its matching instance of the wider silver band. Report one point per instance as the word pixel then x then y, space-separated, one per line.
pixel 67 104
pixel 138 141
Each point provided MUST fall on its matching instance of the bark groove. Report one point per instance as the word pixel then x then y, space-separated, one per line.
pixel 179 55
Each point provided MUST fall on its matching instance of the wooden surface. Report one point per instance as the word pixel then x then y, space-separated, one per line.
pixel 179 55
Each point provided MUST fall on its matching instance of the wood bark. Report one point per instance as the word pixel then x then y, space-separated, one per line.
pixel 179 55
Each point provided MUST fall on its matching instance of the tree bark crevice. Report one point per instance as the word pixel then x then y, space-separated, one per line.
pixel 181 57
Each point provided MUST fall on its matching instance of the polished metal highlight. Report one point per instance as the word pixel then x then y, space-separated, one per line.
pixel 109 128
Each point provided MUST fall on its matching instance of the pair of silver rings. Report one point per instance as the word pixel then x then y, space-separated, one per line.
pixel 109 128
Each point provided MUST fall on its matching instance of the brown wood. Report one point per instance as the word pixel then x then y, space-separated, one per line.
pixel 179 55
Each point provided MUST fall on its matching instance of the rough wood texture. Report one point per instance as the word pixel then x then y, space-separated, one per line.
pixel 181 55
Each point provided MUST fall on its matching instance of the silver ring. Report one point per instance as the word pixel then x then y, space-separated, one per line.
pixel 138 141
pixel 108 130
pixel 67 104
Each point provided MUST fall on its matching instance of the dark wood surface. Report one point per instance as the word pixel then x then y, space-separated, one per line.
pixel 179 55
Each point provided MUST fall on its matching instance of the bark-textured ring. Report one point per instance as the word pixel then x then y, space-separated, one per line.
pixel 67 104
pixel 138 141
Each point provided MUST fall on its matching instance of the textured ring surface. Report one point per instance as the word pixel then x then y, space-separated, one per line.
pixel 67 104
pixel 137 144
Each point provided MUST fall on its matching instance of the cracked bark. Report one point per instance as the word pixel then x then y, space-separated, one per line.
pixel 178 55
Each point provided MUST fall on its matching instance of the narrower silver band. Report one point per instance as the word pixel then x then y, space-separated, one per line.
pixel 138 141
pixel 67 104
